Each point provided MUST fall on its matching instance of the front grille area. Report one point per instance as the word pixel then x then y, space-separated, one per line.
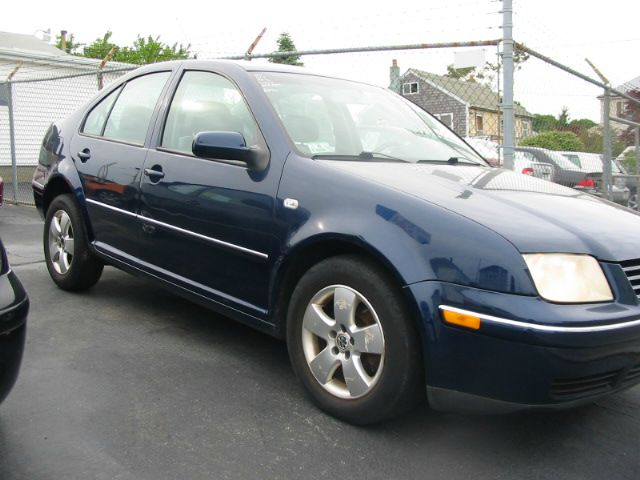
pixel 574 388
pixel 632 271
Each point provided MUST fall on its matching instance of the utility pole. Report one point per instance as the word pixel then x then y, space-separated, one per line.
pixel 507 83
pixel 606 133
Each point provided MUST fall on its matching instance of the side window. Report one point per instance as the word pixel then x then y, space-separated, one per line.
pixel 94 124
pixel 130 116
pixel 206 102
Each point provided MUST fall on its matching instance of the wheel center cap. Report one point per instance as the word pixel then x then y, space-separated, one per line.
pixel 343 341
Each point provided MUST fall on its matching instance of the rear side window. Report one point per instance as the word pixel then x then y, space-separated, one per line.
pixel 130 116
pixel 128 119
pixel 94 125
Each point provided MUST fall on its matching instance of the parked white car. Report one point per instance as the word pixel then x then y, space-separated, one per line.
pixel 523 162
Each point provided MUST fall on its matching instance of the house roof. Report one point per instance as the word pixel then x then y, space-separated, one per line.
pixel 633 84
pixel 20 47
pixel 475 94
pixel 20 43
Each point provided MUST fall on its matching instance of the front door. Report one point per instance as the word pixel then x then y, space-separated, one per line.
pixel 207 223
pixel 109 152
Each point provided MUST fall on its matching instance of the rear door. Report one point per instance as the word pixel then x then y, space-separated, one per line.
pixel 109 152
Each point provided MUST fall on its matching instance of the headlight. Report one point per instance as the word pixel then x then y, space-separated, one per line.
pixel 567 278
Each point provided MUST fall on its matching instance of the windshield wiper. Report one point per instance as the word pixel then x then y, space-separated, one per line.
pixel 452 161
pixel 362 156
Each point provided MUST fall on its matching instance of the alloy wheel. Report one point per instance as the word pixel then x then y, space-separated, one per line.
pixel 343 342
pixel 61 242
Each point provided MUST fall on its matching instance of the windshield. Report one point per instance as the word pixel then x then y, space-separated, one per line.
pixel 331 118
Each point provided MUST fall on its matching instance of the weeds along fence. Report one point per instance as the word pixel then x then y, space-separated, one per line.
pixel 461 83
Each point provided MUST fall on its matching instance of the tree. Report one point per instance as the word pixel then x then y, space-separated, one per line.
pixel 581 124
pixel 151 50
pixel 100 47
pixel 144 50
pixel 543 123
pixel 563 119
pixel 70 45
pixel 285 44
pixel 466 73
pixel 555 140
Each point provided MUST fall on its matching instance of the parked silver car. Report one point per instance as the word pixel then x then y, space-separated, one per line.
pixel 523 162
pixel 593 165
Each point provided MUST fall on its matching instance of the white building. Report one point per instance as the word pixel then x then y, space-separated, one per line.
pixel 48 85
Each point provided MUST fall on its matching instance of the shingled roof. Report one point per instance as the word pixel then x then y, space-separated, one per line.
pixel 475 94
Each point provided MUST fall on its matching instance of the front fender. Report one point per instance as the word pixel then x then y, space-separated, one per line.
pixel 420 240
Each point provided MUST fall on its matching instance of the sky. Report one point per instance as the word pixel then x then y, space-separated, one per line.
pixel 567 30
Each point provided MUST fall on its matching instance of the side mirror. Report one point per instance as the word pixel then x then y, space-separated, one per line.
pixel 228 146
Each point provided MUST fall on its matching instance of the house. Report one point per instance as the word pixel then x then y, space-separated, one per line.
pixel 470 109
pixel 617 103
pixel 47 84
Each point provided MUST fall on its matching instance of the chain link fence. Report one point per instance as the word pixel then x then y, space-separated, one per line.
pixel 469 100
pixel 29 103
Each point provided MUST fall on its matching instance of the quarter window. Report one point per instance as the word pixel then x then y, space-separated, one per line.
pixel 130 116
pixel 94 124
pixel 206 102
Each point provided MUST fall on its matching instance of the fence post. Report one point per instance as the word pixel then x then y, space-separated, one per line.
pixel 637 172
pixel 507 84
pixel 12 142
pixel 606 145
pixel 637 151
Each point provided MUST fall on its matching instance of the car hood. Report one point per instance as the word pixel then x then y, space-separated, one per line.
pixel 534 215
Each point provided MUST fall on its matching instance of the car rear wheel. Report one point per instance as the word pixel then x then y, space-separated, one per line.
pixel 70 263
pixel 352 342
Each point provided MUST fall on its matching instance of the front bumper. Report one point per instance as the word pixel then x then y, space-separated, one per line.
pixel 544 356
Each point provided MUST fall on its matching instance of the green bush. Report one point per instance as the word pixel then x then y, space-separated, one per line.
pixel 555 140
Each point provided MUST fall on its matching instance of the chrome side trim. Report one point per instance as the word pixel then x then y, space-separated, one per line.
pixel 109 207
pixel 203 237
pixel 542 328
pixel 37 184
pixel 182 230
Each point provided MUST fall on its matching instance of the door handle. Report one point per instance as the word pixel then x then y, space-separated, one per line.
pixel 84 155
pixel 154 173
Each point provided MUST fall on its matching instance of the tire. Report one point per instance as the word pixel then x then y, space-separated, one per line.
pixel 352 342
pixel 71 264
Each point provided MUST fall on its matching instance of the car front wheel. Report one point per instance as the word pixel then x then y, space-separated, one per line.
pixel 70 263
pixel 352 342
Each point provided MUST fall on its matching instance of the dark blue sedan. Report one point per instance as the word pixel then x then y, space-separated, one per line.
pixel 344 219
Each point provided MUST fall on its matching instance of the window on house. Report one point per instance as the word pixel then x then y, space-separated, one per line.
pixel 479 124
pixel 409 88
pixel 526 129
pixel 619 109
pixel 446 118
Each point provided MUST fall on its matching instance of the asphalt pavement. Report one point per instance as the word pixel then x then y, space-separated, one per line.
pixel 128 381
